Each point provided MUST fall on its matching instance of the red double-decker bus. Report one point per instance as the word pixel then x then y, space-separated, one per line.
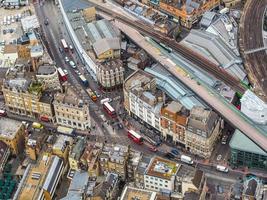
pixel 62 74
pixel 135 137
pixel 109 109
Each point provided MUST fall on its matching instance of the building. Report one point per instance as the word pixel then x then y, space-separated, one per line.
pixel 113 159
pixel 26 96
pixel 137 193
pixel 12 134
pixel 62 147
pixel 34 143
pixel 71 110
pixel 48 73
pixel 110 74
pixel 252 188
pixel 107 189
pixel 11 52
pixel 90 159
pixel 4 155
pixel 132 164
pixel 160 175
pixel 244 152
pixel 254 108
pixel 105 39
pixel 140 171
pixel 142 100
pixel 189 179
pixel 213 48
pixel 40 180
pixel 76 153
pixel 174 119
pixel 187 12
pixel 231 3
pixel 78 186
pixel 203 129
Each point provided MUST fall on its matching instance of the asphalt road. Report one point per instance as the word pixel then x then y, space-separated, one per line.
pixel 102 132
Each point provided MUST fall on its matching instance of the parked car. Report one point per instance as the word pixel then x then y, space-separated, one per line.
pixel 175 152
pixel 169 156
pixel 46 22
pixel 224 139
pixel 67 59
pixel 72 64
pixel 219 157
pixel 120 126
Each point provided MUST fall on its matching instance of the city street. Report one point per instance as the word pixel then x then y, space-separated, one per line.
pixel 102 131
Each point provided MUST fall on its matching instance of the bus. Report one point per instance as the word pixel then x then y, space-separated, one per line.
pixel 109 109
pixel 84 80
pixel 62 74
pixel 65 130
pixel 135 137
pixel 64 44
pixel 3 113
pixel 37 125
pixel 91 94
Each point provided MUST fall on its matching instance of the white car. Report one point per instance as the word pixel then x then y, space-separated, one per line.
pixel 72 64
pixel 67 59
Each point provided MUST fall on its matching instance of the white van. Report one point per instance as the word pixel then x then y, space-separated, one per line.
pixel 222 168
pixel 187 159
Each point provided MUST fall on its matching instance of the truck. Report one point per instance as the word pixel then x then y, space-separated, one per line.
pixel 187 159
pixel 65 130
pixel 84 80
pixel 222 168
pixel 105 100
pixel 91 94
pixel 37 125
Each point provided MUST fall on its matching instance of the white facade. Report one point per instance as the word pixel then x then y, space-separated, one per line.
pixel 144 111
pixel 254 108
pixel 50 78
pixel 158 184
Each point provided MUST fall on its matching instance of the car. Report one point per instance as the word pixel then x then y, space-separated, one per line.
pixel 219 157
pixel 97 94
pixel 46 22
pixel 67 59
pixel 72 64
pixel 120 126
pixel 169 156
pixel 153 149
pixel 175 152
pixel 224 139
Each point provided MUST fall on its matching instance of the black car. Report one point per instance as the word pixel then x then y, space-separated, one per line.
pixel 46 22
pixel 169 156
pixel 120 126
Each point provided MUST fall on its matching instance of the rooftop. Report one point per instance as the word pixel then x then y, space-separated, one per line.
pixel 162 168
pixel 61 141
pixel 77 186
pixel 9 128
pixel 29 23
pixel 143 164
pixel 10 48
pixel 191 175
pixel 78 148
pixel 46 69
pixel 241 142
pixel 31 187
pixel 213 48
pixel 174 88
pixel 137 193
pixel 115 152
pixel 3 150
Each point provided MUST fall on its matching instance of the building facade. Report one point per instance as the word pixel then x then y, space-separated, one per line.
pixel 203 129
pixel 142 100
pixel 174 118
pixel 71 110
pixel 110 74
pixel 76 153
pixel 245 153
pixel 48 73
pixel 12 134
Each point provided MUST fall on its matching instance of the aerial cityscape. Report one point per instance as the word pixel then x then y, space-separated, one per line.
pixel 133 99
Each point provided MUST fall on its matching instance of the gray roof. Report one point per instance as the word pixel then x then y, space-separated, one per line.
pixel 78 149
pixel 46 69
pixel 213 48
pixel 105 44
pixel 78 186
pixel 174 88
pixel 241 142
pixel 70 5
pixel 207 18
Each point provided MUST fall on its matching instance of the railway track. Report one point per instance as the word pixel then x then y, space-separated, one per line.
pixel 194 57
pixel 251 38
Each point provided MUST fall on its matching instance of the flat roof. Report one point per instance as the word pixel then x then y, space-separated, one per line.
pixel 9 127
pixel 162 168
pixel 241 142
pixel 137 193
pixel 31 188
pixel 46 69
